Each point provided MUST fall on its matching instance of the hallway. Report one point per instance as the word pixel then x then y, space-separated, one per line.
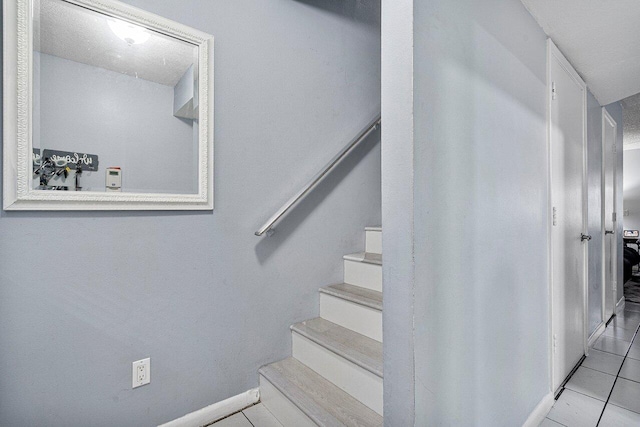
pixel 605 389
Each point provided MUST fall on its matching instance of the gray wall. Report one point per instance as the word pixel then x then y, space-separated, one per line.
pixel 481 293
pixel 466 264
pixel 82 295
pixel 594 219
pixel 127 122
pixel 478 273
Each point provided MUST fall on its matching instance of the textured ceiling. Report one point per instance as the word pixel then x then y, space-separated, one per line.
pixel 81 35
pixel 631 123
pixel 601 38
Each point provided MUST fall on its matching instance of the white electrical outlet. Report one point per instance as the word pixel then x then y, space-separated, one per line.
pixel 141 372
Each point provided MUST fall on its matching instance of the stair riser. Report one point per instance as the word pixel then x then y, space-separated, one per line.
pixel 373 242
pixel 363 274
pixel 358 382
pixel 359 318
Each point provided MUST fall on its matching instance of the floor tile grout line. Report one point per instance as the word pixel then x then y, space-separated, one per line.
pixel 245 415
pixel 617 375
pixel 624 357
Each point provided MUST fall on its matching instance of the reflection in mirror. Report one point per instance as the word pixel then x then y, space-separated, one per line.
pixel 115 105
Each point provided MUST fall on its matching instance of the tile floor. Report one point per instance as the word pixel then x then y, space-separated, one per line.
pixel 605 390
pixel 253 416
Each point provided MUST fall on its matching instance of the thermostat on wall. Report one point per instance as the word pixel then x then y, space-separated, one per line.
pixel 114 179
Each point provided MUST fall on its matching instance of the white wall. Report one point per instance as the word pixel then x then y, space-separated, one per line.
pixel 632 189
pixel 84 294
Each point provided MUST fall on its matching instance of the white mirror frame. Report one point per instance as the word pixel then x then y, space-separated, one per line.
pixel 17 116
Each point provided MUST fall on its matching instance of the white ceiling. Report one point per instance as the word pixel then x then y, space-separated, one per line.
pixel 601 38
pixel 81 35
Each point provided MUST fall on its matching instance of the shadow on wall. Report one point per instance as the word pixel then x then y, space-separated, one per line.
pixel 355 10
pixel 269 244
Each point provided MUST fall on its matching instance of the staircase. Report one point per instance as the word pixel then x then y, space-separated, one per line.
pixel 334 377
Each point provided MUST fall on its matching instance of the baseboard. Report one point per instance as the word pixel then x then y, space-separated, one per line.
pixel 540 412
pixel 620 305
pixel 216 411
pixel 596 334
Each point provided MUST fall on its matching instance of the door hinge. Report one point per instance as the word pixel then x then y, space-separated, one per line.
pixel 615 149
pixel 613 217
pixel 555 216
pixel 555 343
pixel 553 90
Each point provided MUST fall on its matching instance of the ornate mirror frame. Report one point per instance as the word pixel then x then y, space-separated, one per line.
pixel 17 116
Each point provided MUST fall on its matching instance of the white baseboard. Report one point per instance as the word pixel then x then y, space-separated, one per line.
pixel 596 334
pixel 216 411
pixel 540 412
pixel 620 305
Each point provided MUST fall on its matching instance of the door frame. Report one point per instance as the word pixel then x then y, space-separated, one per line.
pixel 554 52
pixel 614 253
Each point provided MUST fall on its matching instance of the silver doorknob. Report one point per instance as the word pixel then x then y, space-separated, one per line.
pixel 584 237
pixel 609 232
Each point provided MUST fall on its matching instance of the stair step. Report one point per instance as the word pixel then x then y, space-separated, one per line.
pixel 363 269
pixel 318 399
pixel 349 360
pixel 354 308
pixel 356 348
pixel 373 239
pixel 366 257
pixel 357 294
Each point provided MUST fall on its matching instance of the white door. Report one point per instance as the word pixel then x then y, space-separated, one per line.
pixel 609 135
pixel 568 250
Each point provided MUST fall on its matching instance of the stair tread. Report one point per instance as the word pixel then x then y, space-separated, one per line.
pixel 322 401
pixel 367 257
pixel 359 349
pixel 357 294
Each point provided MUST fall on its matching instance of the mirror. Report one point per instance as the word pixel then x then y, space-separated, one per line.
pixel 110 107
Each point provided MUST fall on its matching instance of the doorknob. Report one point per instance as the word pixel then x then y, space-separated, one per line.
pixel 584 237
pixel 609 232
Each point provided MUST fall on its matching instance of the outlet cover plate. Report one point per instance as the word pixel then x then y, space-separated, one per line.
pixel 141 372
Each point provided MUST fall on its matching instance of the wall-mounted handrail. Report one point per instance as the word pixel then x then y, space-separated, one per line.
pixel 319 176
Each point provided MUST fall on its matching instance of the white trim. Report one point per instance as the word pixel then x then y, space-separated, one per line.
pixel 603 237
pixel 216 411
pixel 596 334
pixel 620 305
pixel 17 117
pixel 553 51
pixel 564 62
pixel 549 221
pixel 585 216
pixel 540 412
pixel 614 251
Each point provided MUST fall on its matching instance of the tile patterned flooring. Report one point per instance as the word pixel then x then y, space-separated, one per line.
pixel 605 390
pixel 253 416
